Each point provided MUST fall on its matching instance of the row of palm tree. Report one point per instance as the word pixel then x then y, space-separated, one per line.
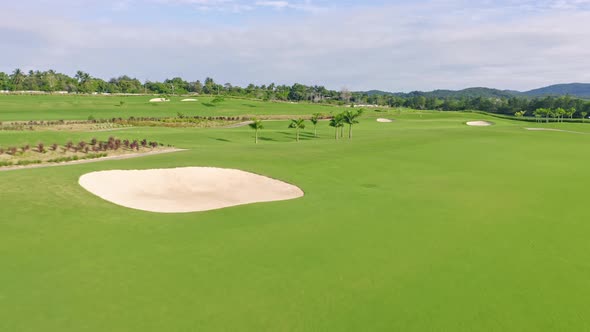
pixel 347 117
pixel 338 122
pixel 557 113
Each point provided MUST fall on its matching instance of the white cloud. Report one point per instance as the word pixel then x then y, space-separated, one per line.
pixel 243 5
pixel 274 4
pixel 440 44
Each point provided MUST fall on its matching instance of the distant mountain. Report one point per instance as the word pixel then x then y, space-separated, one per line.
pixel 381 93
pixel 469 93
pixel 580 90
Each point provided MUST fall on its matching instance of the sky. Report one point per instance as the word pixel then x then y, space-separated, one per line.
pixel 360 45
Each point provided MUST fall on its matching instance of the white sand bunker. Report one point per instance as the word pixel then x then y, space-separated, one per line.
pixel 384 120
pixel 187 189
pixel 479 123
pixel 158 100
pixel 552 129
pixel 188 100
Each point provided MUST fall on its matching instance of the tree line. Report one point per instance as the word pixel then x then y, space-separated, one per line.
pixel 82 82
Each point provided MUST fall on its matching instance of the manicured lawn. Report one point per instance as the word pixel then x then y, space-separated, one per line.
pixel 15 107
pixel 423 224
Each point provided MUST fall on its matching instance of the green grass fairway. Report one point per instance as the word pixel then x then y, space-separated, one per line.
pixel 423 224
pixel 15 107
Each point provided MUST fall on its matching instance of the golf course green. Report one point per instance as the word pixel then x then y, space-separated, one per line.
pixel 421 224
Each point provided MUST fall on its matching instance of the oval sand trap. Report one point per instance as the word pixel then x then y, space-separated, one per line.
pixel 188 100
pixel 479 123
pixel 158 100
pixel 188 189
pixel 384 120
pixel 553 129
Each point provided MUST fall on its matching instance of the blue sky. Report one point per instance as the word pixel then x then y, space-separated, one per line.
pixel 375 44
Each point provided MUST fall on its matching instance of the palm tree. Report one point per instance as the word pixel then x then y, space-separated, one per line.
pixel 82 77
pixel 571 112
pixel 519 114
pixel 256 125
pixel 339 118
pixel 547 112
pixel 538 113
pixel 336 122
pixel 559 113
pixel 350 118
pixel 314 120
pixel 297 124
pixel 17 78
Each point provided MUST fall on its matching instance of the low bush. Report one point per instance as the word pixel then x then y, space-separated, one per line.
pixel 28 162
pixel 74 158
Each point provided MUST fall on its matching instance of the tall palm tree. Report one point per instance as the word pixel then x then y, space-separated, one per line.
pixel 336 122
pixel 256 125
pixel 298 125
pixel 559 113
pixel 350 118
pixel 571 112
pixel 314 120
pixel 82 77
pixel 17 78
pixel 546 112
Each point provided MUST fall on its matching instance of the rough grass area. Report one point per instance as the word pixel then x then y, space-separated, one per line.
pixel 423 224
pixel 15 107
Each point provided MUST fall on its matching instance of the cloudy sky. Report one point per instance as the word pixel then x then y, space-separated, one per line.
pixel 372 44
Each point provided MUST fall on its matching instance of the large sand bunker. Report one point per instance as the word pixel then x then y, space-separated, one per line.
pixel 187 189
pixel 382 120
pixel 479 123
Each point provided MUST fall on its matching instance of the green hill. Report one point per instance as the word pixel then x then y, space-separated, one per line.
pixel 581 90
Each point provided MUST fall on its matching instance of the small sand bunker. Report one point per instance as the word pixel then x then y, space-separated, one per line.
pixel 552 129
pixel 158 100
pixel 188 189
pixel 384 120
pixel 188 100
pixel 479 123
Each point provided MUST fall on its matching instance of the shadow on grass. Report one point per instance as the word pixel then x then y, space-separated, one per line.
pixel 208 104
pixel 302 136
pixel 219 139
pixel 249 105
